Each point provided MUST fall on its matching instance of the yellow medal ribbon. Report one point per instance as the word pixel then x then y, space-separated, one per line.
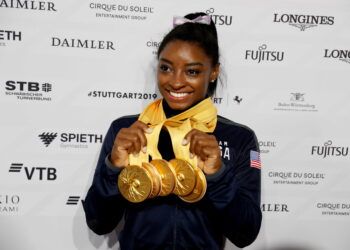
pixel 202 116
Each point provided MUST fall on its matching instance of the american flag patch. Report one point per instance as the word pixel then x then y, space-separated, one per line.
pixel 255 159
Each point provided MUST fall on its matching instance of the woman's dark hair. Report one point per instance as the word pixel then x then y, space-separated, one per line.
pixel 201 34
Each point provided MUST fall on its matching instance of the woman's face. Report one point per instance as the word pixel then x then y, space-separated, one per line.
pixel 184 74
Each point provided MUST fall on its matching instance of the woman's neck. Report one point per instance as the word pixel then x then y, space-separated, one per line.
pixel 169 112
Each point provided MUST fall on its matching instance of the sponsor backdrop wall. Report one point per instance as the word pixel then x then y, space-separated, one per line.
pixel 68 68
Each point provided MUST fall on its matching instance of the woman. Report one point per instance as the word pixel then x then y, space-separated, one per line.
pixel 188 68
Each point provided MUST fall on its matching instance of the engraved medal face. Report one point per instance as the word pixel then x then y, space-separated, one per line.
pixel 185 177
pixel 199 190
pixel 156 179
pixel 167 175
pixel 135 183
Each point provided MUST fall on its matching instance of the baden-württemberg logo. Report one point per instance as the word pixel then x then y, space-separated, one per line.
pixel 303 22
pixel 219 19
pixel 342 55
pixel 296 103
pixel 28 5
pixel 82 43
pixel 71 140
pixel 9 203
pixel 9 36
pixel 262 54
pixel 122 11
pixel 28 90
pixel 328 149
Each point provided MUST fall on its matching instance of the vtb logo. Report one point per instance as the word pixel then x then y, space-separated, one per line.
pixel 40 173
pixel 47 138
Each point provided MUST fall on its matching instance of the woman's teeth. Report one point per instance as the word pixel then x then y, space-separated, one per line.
pixel 178 94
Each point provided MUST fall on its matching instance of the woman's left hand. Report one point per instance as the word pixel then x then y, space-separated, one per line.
pixel 206 148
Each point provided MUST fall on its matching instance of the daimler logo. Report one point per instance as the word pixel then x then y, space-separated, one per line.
pixel 303 22
pixel 342 55
pixel 28 5
pixel 274 207
pixel 329 149
pixel 262 54
pixel 82 43
pixel 219 19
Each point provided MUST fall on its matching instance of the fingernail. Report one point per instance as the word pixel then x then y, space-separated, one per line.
pixel 184 142
pixel 149 130
pixel 144 149
pixel 191 155
pixel 136 154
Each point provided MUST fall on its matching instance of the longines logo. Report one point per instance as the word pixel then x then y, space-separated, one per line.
pixel 274 207
pixel 219 19
pixel 9 36
pixel 342 55
pixel 34 173
pixel 262 54
pixel 81 43
pixel 71 140
pixel 266 146
pixel 296 103
pixel 303 22
pixel 9 203
pixel 121 11
pixel 328 149
pixel 334 208
pixel 28 5
pixel 27 90
pixel 296 178
pixel 122 95
pixel 73 200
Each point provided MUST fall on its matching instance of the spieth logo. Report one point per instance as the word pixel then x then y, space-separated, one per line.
pixel 122 95
pixel 34 173
pixel 303 22
pixel 71 140
pixel 329 150
pixel 296 104
pixel 32 91
pixel 262 54
pixel 9 203
pixel 342 55
pixel 79 43
pixel 47 138
pixel 28 5
pixel 274 207
pixel 219 19
pixel 73 200
pixel 124 12
pixel 9 35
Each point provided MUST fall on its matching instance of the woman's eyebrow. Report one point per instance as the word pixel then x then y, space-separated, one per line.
pixel 187 64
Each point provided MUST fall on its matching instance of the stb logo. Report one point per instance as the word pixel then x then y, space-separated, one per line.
pixel 47 87
pixel 47 138
pixel 297 97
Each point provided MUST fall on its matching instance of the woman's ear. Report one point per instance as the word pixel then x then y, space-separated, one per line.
pixel 215 72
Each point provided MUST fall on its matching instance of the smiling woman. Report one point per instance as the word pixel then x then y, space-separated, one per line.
pixel 204 195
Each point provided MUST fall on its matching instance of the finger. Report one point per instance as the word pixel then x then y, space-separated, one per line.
pixel 143 127
pixel 189 136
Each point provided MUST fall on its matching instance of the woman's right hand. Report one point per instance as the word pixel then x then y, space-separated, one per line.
pixel 129 140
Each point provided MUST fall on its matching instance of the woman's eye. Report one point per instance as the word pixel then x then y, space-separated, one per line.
pixel 193 72
pixel 164 68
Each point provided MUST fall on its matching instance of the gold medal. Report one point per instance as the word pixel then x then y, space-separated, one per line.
pixel 167 175
pixel 156 179
pixel 199 190
pixel 135 183
pixel 185 177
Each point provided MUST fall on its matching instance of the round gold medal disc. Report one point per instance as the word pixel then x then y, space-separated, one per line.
pixel 185 177
pixel 156 179
pixel 167 175
pixel 199 190
pixel 135 183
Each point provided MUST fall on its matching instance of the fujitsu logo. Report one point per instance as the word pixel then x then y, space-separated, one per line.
pixel 328 149
pixel 262 54
pixel 303 22
pixel 47 138
pixel 219 19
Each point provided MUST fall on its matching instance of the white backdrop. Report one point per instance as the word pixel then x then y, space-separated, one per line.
pixel 68 68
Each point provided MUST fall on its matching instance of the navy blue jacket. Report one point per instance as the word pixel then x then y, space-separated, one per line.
pixel 230 208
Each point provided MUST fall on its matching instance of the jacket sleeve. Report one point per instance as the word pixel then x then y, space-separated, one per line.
pixel 104 206
pixel 234 193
